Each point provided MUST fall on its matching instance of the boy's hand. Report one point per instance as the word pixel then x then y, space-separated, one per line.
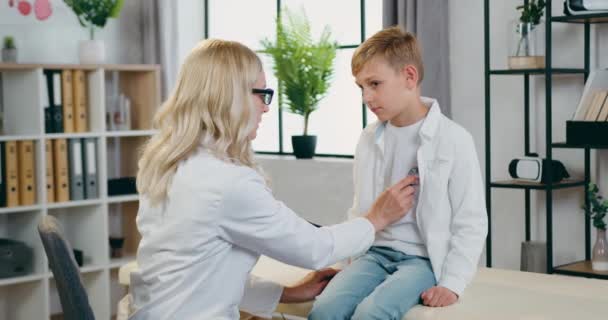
pixel 438 297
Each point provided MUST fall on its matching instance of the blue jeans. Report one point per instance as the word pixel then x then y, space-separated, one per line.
pixel 382 284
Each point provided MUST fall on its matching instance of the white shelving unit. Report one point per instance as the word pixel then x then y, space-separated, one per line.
pixel 86 223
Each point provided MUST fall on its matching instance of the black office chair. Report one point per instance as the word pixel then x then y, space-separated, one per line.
pixel 73 296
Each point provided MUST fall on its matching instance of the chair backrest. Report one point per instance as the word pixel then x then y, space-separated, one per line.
pixel 73 296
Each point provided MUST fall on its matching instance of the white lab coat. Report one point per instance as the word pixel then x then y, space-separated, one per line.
pixel 451 212
pixel 198 247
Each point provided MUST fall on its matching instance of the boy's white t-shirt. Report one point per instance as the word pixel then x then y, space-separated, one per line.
pixel 400 150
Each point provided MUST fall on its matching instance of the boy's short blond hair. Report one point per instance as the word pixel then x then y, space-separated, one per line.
pixel 397 46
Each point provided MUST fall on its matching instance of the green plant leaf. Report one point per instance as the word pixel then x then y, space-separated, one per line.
pixel 304 67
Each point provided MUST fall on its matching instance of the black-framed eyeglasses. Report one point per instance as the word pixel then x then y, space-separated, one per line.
pixel 266 94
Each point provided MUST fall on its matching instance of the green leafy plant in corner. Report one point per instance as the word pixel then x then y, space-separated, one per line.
pixel 9 42
pixel 598 207
pixel 531 13
pixel 303 67
pixel 95 13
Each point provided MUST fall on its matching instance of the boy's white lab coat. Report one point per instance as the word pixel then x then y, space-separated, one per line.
pixel 198 247
pixel 451 212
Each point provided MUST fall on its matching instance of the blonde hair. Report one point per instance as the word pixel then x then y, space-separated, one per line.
pixel 211 105
pixel 398 47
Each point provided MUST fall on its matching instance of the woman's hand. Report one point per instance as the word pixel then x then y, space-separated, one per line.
pixel 309 287
pixel 393 203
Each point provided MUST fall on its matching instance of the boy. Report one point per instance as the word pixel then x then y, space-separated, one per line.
pixel 431 254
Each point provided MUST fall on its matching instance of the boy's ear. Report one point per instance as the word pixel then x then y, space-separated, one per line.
pixel 410 74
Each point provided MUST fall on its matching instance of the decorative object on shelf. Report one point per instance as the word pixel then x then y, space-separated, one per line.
pixel 42 8
pixel 119 113
pixel 15 258
pixel 589 125
pixel 304 69
pixel 533 256
pixel 576 7
pixel 526 45
pixel 597 213
pixel 116 245
pixel 122 186
pixel 79 257
pixel 9 50
pixel 534 169
pixel 92 14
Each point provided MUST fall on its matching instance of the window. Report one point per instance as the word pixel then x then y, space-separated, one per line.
pixel 341 116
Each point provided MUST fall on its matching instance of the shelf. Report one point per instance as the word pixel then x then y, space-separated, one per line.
pixel 20 209
pixel 581 268
pixel 19 137
pixel 73 135
pixel 116 263
pixel 22 279
pixel 109 67
pixel 87 268
pixel 517 184
pixel 120 199
pixel 131 133
pixel 582 18
pixel 565 145
pixel 536 71
pixel 71 204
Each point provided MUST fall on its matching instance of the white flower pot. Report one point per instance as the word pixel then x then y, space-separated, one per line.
pixel 9 55
pixel 91 51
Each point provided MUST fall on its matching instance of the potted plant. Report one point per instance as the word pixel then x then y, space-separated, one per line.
pixel 597 213
pixel 304 69
pixel 9 51
pixel 526 47
pixel 91 15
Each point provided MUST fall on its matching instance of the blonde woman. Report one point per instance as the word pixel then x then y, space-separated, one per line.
pixel 206 213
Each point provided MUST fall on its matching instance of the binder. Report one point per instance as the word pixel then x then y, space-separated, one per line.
pixel 2 175
pixel 67 100
pixel 89 157
pixel 60 164
pixel 75 169
pixel 80 101
pixel 27 177
pixel 46 105
pixel 12 174
pixel 50 177
pixel 57 109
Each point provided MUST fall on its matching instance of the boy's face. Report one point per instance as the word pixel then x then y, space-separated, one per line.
pixel 387 92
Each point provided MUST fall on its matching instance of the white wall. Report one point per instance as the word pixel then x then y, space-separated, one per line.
pixel 318 190
pixel 55 40
pixel 467 80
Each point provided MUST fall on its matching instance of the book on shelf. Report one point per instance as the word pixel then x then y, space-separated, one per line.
pixel 80 101
pixel 12 174
pixel 67 100
pixel 2 175
pixel 50 176
pixel 55 109
pixel 27 172
pixel 60 162
pixel 595 106
pixel 89 161
pixel 595 94
pixel 603 115
pixel 75 168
